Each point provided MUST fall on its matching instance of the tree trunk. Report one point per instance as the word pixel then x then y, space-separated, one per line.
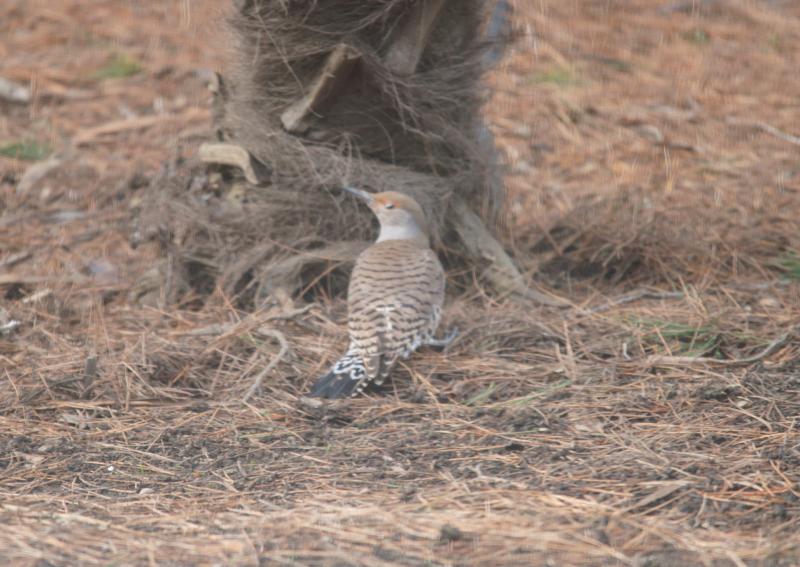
pixel 380 95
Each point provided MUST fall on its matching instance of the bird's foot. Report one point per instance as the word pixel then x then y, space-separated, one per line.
pixel 442 344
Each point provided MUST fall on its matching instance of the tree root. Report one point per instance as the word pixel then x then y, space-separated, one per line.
pixel 501 272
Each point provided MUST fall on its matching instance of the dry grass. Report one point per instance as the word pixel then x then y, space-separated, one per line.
pixel 654 423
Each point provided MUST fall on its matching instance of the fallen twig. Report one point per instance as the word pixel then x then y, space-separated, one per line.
pixel 37 296
pixel 635 296
pixel 9 279
pixel 277 335
pixel 222 328
pixel 768 350
pixel 139 123
pixel 768 128
pixel 666 489
pixel 15 259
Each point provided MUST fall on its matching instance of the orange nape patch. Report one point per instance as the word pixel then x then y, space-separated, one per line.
pixel 395 198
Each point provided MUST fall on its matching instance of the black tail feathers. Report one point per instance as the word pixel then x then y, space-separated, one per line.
pixel 346 378
pixel 335 386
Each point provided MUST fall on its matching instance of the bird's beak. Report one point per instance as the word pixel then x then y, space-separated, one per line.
pixel 363 195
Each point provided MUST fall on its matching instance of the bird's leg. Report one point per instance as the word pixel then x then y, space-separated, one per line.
pixel 445 342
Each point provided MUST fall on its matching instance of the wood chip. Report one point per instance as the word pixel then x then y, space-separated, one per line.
pixel 233 155
pixel 14 92
pixel 37 172
pixel 7 324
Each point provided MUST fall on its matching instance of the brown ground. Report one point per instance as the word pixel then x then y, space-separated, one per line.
pixel 654 171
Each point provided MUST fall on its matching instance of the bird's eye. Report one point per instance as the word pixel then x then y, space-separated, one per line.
pixel 389 205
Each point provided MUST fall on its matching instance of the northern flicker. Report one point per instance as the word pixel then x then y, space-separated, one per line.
pixel 394 300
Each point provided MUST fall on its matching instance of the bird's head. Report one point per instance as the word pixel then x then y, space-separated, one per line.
pixel 400 216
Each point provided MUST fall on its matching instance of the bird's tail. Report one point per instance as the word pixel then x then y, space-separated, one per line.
pixel 346 378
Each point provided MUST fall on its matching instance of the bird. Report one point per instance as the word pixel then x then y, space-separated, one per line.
pixel 394 298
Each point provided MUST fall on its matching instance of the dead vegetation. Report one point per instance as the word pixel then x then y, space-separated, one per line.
pixel 384 96
pixel 651 423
